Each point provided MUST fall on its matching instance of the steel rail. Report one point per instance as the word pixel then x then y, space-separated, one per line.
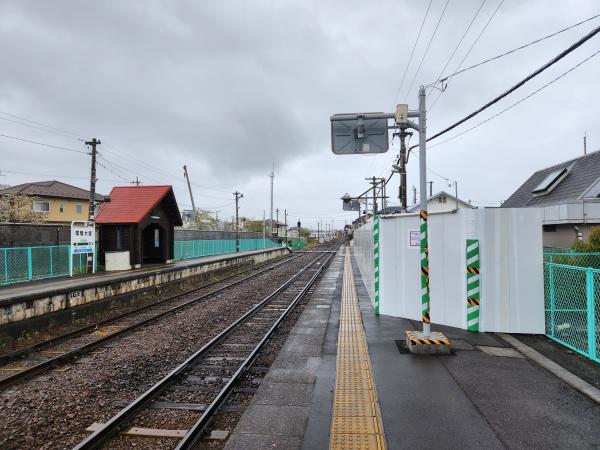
pixel 195 433
pixel 7 357
pixel 103 433
pixel 52 362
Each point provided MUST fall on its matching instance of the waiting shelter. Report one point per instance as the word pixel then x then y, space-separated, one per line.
pixel 140 221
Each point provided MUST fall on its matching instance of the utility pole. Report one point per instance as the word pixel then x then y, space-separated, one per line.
pixel 430 183
pixel 237 195
pixel 187 178
pixel 373 181
pixel 264 229
pixel 277 221
pixel 402 169
pixel 318 233
pixel 285 218
pixel 137 181
pixel 93 143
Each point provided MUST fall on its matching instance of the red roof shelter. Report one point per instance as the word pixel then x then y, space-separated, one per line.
pixel 141 220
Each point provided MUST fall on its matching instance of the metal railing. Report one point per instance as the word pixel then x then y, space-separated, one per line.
pixel 21 264
pixel 572 307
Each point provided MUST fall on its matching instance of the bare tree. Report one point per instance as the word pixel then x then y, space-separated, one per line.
pixel 18 208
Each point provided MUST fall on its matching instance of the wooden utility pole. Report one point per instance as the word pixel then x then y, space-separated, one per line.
pixel 92 206
pixel 237 195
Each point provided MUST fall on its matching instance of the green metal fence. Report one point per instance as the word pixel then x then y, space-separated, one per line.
pixel 297 244
pixel 20 264
pixel 572 307
pixel 199 248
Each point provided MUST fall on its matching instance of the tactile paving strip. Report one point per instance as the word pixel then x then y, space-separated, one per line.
pixel 356 422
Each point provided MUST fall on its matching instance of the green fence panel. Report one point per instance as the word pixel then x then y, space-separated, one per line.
pixel 200 248
pixel 572 307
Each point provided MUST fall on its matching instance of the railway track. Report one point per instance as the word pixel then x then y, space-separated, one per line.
pixel 52 352
pixel 191 394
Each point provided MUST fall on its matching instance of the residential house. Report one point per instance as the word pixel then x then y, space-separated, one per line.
pixel 569 195
pixel 442 202
pixel 59 202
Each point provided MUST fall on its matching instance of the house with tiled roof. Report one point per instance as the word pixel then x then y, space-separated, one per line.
pixel 569 196
pixel 57 201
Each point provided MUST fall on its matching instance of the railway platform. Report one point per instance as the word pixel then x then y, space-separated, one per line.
pixel 343 380
pixel 43 300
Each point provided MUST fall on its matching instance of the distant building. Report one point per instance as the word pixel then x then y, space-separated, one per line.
pixel 59 202
pixel 442 202
pixel 569 195
pixel 275 228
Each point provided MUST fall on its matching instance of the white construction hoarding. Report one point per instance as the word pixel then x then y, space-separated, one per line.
pixel 511 267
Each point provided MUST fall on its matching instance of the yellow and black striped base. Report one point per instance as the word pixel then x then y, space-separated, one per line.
pixel 436 343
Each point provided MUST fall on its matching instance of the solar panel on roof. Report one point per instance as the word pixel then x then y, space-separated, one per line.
pixel 549 181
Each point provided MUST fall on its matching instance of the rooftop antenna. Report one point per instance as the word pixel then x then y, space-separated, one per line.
pixel 585 143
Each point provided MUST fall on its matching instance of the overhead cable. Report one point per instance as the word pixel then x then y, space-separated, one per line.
pixel 517 102
pixel 57 147
pixel 462 61
pixel 412 53
pixel 426 50
pixel 517 49
pixel 462 38
pixel 553 61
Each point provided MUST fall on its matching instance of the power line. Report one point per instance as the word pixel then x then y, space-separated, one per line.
pixel 49 127
pixel 462 61
pixel 557 58
pixel 462 38
pixel 426 50
pixel 39 128
pixel 412 52
pixel 517 49
pixel 517 102
pixel 51 175
pixel 57 147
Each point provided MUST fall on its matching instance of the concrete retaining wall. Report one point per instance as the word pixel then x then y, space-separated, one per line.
pixel 27 306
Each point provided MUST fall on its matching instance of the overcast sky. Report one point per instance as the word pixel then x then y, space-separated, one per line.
pixel 230 87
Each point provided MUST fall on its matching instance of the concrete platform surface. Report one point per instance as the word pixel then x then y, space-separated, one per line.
pixel 42 287
pixel 480 397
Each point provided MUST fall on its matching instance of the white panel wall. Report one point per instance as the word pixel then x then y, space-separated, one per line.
pixel 362 243
pixel 511 267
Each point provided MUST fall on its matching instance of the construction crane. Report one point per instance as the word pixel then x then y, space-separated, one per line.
pixel 196 215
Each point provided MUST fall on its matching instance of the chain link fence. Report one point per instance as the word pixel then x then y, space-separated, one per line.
pixel 589 259
pixel 20 264
pixel 572 306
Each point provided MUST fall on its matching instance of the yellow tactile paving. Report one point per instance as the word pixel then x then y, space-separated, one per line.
pixel 356 422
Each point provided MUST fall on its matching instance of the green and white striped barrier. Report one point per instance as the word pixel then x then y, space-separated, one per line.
pixel 376 263
pixel 424 271
pixel 473 290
